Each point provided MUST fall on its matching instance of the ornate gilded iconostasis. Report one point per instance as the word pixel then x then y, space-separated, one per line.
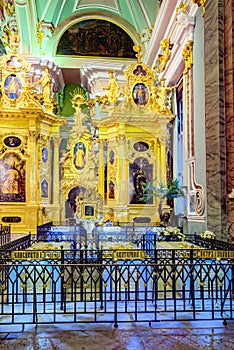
pixel 29 138
pixel 124 146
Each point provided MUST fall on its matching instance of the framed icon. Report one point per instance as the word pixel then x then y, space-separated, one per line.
pixel 12 87
pixel 89 211
pixel 44 154
pixel 140 94
pixel 12 141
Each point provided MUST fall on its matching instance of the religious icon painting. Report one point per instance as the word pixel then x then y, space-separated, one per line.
pixel 111 190
pixel 112 157
pixel 12 141
pixel 12 87
pixel 14 62
pixel 140 94
pixel 140 172
pixel 139 71
pixel 79 155
pixel 44 153
pixel 88 211
pixel 141 146
pixel 44 189
pixel 12 179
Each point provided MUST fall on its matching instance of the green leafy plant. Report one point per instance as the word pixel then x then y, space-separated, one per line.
pixel 162 191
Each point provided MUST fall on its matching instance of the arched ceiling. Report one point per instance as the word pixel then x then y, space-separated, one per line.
pixel 138 13
pixel 135 17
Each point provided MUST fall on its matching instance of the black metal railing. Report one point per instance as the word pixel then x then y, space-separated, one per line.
pixel 5 234
pixel 18 244
pixel 208 243
pixel 93 286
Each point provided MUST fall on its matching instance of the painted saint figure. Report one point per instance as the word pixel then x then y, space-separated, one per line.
pixel 111 190
pixel 139 71
pixel 79 155
pixel 11 184
pixel 12 87
pixel 139 180
pixel 140 95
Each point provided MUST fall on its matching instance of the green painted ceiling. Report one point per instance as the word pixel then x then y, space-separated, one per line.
pixel 138 13
pixel 133 16
pixel 57 16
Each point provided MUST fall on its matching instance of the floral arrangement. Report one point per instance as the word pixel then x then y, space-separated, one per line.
pixel 208 234
pixel 170 233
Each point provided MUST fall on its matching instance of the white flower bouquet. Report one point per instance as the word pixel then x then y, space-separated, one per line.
pixel 170 233
pixel 208 234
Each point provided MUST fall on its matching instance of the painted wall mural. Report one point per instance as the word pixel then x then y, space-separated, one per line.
pixel 95 37
pixel 12 179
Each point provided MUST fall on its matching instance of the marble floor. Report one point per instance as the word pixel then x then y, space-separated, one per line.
pixel 162 336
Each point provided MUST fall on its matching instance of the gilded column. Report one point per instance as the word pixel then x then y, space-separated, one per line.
pixel 55 185
pixel 158 167
pixel 122 173
pixel 163 159
pixel 32 178
pixel 101 167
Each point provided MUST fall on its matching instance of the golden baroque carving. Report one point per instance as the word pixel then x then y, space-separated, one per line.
pixel 14 43
pixel 56 140
pixel 163 58
pixel 146 34
pixel 43 31
pixel 138 55
pixel 45 83
pixel 112 88
pixel 44 140
pixel 77 100
pixel 112 171
pixel 201 3
pixel 33 135
pixel 141 94
pixel 182 7
pixel 121 139
pixel 161 96
pixel 188 56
